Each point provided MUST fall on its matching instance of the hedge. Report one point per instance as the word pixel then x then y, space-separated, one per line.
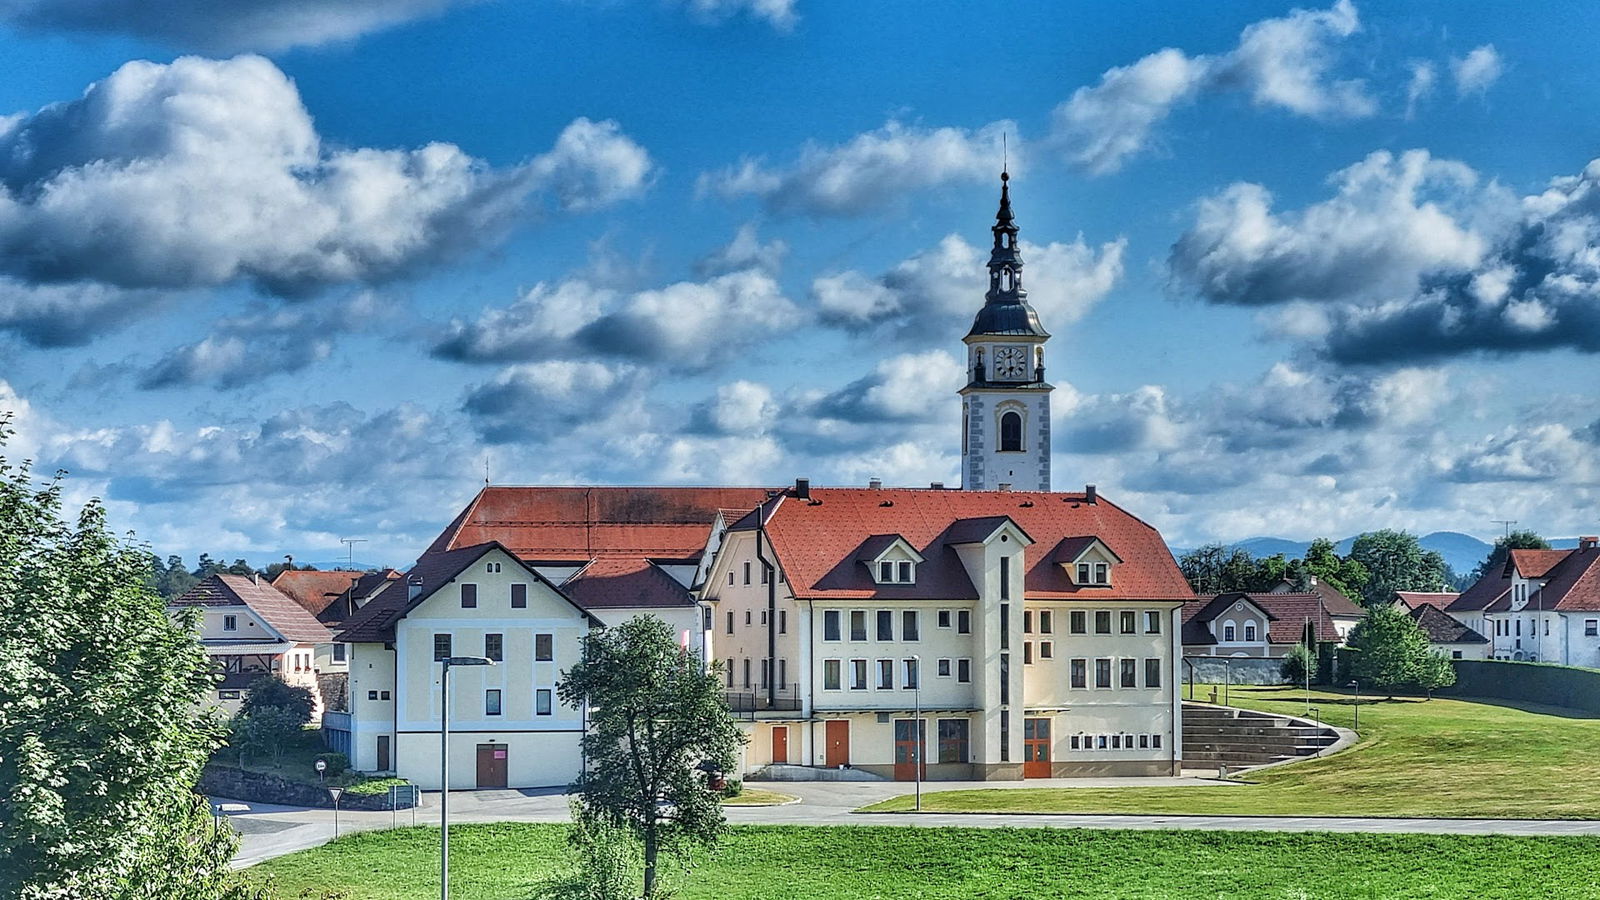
pixel 1529 682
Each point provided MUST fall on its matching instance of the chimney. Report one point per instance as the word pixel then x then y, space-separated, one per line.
pixel 1588 542
pixel 255 577
pixel 875 484
pixel 936 486
pixel 802 488
pixel 1089 493
pixel 1313 581
pixel 1005 485
pixel 413 586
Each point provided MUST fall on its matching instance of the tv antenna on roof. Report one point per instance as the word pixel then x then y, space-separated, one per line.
pixel 1507 523
pixel 350 549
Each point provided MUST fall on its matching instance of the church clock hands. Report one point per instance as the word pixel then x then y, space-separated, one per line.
pixel 1011 363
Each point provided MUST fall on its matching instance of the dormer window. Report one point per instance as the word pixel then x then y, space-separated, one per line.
pixel 1087 560
pixel 901 571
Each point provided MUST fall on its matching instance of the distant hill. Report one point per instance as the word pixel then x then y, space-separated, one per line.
pixel 1462 551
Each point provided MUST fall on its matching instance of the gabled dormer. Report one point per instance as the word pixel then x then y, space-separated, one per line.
pixel 890 559
pixel 1087 560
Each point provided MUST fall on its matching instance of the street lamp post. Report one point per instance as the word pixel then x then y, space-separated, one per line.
pixel 444 764
pixel 1357 686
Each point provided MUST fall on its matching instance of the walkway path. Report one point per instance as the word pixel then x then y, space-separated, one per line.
pixel 270 831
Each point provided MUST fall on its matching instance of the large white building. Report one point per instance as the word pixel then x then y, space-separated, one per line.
pixel 1542 606
pixel 1037 632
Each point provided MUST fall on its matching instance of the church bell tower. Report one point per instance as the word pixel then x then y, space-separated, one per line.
pixel 1005 407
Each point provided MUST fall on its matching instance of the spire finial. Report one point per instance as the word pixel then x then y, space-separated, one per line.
pixel 1005 157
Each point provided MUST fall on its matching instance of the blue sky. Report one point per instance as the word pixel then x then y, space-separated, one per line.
pixel 285 276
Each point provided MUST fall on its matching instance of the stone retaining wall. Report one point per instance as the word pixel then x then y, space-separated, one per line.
pixel 260 787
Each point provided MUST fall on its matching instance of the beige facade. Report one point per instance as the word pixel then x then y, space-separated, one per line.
pixel 992 676
pixel 244 647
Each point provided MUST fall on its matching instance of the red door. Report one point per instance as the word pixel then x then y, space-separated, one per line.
pixel 780 745
pixel 1035 748
pixel 836 738
pixel 492 765
pixel 908 751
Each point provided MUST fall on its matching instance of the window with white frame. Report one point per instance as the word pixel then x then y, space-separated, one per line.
pixel 543 702
pixel 885 674
pixel 858 674
pixel 1249 631
pixel 230 623
pixel 1130 673
pixel 885 625
pixel 1102 673
pixel 908 625
pixel 1078 622
pixel 1228 632
pixel 1152 621
pixel 1129 621
pixel 831 669
pixel 964 671
pixel 1591 627
pixel 909 669
pixel 1046 622
pixel 1083 573
pixel 943 670
pixel 1080 673
pixel 1047 649
pixel 830 624
pixel 491 702
pixel 858 624
pixel 1102 573
pixel 963 621
pixel 942 619
pixel 1152 673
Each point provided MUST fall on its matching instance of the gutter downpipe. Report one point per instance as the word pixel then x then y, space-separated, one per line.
pixel 770 572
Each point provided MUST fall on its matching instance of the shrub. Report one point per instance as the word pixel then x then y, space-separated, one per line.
pixel 733 787
pixel 337 762
pixel 1299 665
pixel 268 691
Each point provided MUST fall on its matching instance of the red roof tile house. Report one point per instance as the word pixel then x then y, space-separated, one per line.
pixel 251 629
pixel 1262 625
pixel 1542 606
pixel 1037 631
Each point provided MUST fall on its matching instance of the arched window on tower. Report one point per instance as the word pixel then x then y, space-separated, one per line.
pixel 1011 431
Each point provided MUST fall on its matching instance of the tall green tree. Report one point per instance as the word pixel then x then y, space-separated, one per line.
pixel 1216 569
pixel 102 728
pixel 1392 652
pixel 1344 574
pixel 1397 562
pixel 658 721
pixel 1496 560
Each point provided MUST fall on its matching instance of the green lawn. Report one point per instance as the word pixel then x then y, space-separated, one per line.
pixel 1441 758
pixel 758 797
pixel 513 861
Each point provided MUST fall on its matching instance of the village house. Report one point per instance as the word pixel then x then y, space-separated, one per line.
pixel 1264 625
pixel 251 630
pixel 1541 606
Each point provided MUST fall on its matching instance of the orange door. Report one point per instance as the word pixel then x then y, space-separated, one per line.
pixel 780 745
pixel 908 751
pixel 836 739
pixel 1035 748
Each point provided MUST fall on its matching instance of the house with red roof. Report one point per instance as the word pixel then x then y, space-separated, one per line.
pixel 1263 625
pixel 1541 606
pixel 251 629
pixel 1007 634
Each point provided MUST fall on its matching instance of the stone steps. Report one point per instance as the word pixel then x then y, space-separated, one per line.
pixel 1237 738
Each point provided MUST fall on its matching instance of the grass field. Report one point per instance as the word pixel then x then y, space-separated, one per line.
pixel 489 862
pixel 1439 758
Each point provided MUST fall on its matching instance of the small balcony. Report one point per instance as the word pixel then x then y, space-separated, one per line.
pixel 748 702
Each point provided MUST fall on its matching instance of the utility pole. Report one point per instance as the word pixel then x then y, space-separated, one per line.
pixel 1507 523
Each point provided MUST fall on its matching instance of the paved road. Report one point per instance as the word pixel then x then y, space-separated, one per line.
pixel 270 831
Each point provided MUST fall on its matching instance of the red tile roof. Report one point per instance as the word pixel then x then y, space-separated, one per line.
pixel 1286 615
pixel 275 608
pixel 1414 599
pixel 1574 583
pixel 625 528
pixel 315 590
pixel 1482 594
pixel 581 523
pixel 816 542
pixel 1536 563
pixel 617 581
pixel 1336 603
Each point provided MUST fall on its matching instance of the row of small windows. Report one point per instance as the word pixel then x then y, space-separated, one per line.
pixel 1094 573
pixel 492 700
pixel 748 569
pixel 883 621
pixel 766 672
pixel 1108 672
pixel 1126 621
pixel 1115 742
pixel 864 675
pixel 896 572
pixel 519 594
pixel 1229 632
pixel 783 620
pixel 544 647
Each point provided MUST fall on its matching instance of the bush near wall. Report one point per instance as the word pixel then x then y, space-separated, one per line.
pixel 260 787
pixel 1545 683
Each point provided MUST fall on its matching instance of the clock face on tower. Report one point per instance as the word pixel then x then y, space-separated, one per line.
pixel 1011 363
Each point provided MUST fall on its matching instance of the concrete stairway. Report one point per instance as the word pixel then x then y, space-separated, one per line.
pixel 1215 736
